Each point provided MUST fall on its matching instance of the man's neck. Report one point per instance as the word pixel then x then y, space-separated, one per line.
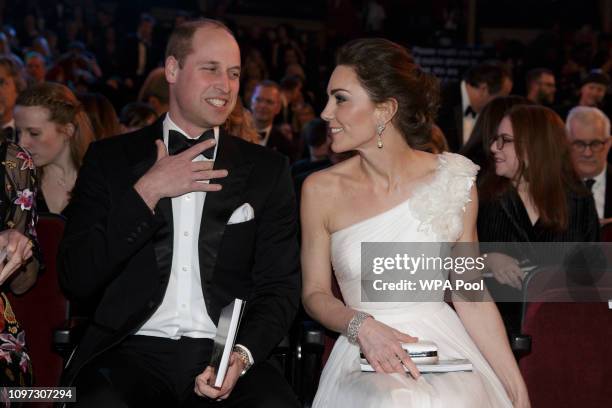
pixel 189 128
pixel 472 97
pixel 261 126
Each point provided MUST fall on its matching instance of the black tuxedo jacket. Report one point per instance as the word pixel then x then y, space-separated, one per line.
pixel 117 250
pixel 450 116
pixel 608 200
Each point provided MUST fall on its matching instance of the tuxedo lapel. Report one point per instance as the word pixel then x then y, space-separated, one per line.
pixel 219 205
pixel 142 156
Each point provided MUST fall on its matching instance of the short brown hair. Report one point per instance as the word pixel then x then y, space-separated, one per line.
pixel 180 41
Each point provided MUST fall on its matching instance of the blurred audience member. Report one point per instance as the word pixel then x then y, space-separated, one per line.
pixel 139 56
pixel 593 89
pixel 154 91
pixel 35 67
pixel 530 193
pixel 265 106
pixel 76 68
pixel 541 86
pixel 291 95
pixel 485 129
pixel 588 131
pixel 17 271
pixel 102 115
pixel 438 142
pixel 56 131
pixel 12 82
pixel 240 124
pixel 136 115
pixel 462 102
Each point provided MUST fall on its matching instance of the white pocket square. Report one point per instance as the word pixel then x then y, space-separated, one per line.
pixel 243 213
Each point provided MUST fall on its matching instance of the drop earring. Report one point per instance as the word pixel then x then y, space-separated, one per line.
pixel 379 130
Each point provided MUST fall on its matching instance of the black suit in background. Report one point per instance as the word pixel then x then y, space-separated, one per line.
pixel 117 250
pixel 608 195
pixel 450 115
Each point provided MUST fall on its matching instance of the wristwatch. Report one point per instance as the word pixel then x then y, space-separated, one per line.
pixel 244 357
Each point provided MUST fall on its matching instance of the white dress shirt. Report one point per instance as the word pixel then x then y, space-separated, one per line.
pixel 264 141
pixel 183 310
pixel 599 192
pixel 468 121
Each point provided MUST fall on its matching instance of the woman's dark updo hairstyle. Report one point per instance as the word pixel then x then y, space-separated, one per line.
pixel 386 70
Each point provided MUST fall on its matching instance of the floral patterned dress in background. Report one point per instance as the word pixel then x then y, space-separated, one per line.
pixel 17 210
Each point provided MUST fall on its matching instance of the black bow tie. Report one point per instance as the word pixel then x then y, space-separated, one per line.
pixel 178 142
pixel 469 112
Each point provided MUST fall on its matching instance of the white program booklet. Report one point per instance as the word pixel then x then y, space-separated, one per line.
pixel 442 366
pixel 227 328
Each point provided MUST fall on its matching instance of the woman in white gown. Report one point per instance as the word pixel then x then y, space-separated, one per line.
pixel 382 106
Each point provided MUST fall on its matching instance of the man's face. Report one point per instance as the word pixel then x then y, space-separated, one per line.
pixel 591 94
pixel 589 146
pixel 486 96
pixel 8 92
pixel 35 67
pixel 205 89
pixel 265 104
pixel 546 88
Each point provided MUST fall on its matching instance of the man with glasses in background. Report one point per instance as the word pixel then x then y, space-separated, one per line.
pixel 588 130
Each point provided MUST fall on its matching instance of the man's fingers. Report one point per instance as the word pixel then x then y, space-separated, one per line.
pixel 161 150
pixel 202 165
pixel 195 150
pixel 209 175
pixel 202 186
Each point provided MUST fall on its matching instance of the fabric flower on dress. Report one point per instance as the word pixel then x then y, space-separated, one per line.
pixel 441 203
pixel 11 344
pixel 25 199
pixel 27 164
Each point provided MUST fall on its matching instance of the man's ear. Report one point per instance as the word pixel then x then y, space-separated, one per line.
pixel 385 111
pixel 171 68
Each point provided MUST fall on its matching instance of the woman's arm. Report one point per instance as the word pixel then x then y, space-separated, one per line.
pixel 380 343
pixel 484 325
pixel 21 176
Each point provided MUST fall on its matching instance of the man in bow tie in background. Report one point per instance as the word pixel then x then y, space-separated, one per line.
pixel 461 102
pixel 169 224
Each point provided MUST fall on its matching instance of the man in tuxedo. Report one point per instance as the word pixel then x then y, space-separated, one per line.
pixel 588 130
pixel 462 102
pixel 165 228
pixel 139 56
pixel 12 81
pixel 265 106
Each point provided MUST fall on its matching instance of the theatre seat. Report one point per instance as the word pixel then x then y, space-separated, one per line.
pixel 570 360
pixel 43 308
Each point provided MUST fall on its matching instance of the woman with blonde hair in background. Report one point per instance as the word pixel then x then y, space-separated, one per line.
pixel 55 130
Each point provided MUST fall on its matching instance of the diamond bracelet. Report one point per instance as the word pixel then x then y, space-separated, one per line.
pixel 354 325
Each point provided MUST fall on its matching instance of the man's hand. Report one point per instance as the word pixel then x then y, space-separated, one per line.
pixel 204 383
pixel 172 176
pixel 15 249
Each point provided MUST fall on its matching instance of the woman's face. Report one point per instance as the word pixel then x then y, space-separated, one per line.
pixel 349 112
pixel 39 136
pixel 503 150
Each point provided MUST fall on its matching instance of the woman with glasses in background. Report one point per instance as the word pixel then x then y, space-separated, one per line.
pixel 530 193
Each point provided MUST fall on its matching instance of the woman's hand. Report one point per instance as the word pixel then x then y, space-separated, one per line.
pixel 505 269
pixel 15 250
pixel 382 347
